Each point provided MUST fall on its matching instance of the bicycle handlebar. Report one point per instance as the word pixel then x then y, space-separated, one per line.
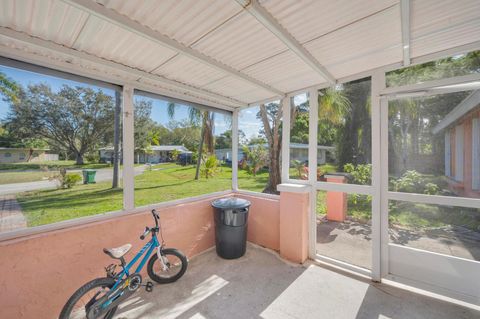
pixel 155 216
pixel 147 230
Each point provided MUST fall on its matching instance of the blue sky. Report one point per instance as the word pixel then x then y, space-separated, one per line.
pixel 248 121
pixel 159 110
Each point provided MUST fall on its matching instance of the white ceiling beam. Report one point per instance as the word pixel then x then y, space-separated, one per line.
pixel 124 22
pixel 25 38
pixel 265 18
pixel 405 16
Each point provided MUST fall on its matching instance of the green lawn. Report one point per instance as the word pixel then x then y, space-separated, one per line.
pixel 164 182
pixel 408 215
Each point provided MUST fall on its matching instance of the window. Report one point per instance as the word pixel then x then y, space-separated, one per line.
pixel 441 124
pixel 259 163
pixel 457 65
pixel 299 131
pixel 61 115
pixel 344 133
pixel 172 158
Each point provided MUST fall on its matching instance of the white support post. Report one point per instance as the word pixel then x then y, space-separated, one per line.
pixel 312 169
pixel 384 197
pixel 405 16
pixel 285 138
pixel 235 150
pixel 128 149
pixel 378 84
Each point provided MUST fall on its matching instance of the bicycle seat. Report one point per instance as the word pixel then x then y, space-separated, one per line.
pixel 117 252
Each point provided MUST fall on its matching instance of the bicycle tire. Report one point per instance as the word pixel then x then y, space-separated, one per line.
pixel 167 280
pixel 77 295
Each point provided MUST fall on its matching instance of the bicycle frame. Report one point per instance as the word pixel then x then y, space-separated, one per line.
pixel 147 250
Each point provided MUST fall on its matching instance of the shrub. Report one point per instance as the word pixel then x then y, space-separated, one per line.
pixel 431 189
pixel 93 157
pixel 66 180
pixel 414 182
pixel 300 167
pixel 410 182
pixel 361 173
pixel 256 158
pixel 70 180
pixel 210 167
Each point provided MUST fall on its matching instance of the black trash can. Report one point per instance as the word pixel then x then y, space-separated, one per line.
pixel 231 218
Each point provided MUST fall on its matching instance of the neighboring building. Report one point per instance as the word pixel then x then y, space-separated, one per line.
pixel 21 155
pixel 299 152
pixel 461 128
pixel 155 154
pixel 225 154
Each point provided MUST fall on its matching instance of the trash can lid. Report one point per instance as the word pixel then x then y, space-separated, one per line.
pixel 231 203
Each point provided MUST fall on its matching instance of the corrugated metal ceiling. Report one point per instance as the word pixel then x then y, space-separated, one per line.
pixel 345 36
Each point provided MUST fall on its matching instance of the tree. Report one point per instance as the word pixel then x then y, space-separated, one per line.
pixel 75 118
pixel 9 89
pixel 271 116
pixel 206 120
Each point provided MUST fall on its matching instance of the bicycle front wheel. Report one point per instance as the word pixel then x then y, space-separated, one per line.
pixel 171 269
pixel 78 304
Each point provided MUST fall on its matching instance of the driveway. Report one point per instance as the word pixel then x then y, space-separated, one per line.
pixel 104 174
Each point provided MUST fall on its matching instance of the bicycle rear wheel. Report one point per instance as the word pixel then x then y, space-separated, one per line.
pixel 175 262
pixel 76 307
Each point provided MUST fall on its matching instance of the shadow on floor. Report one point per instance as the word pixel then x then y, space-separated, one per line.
pixel 216 288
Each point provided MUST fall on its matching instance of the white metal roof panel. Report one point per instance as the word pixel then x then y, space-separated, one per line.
pixel 309 19
pixel 238 89
pixel 439 25
pixel 285 71
pixel 184 69
pixel 366 44
pixel 48 19
pixel 240 42
pixel 114 43
pixel 185 21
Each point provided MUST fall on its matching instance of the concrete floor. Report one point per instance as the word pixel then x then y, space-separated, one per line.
pixel 261 285
pixel 351 241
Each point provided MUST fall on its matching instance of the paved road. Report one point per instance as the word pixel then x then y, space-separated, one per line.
pixel 104 174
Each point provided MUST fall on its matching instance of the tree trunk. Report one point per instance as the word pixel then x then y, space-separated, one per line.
pixel 200 150
pixel 274 142
pixel 116 141
pixel 79 158
pixel 275 177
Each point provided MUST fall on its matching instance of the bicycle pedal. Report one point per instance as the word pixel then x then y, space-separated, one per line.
pixel 149 286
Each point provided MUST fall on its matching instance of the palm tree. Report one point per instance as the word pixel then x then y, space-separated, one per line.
pixel 206 120
pixel 333 106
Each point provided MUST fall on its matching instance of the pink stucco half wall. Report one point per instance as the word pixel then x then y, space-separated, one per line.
pixel 40 272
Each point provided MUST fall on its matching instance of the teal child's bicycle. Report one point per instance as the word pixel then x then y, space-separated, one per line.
pixel 100 297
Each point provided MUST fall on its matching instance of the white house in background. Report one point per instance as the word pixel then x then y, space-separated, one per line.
pixel 297 152
pixel 155 153
pixel 461 128
pixel 22 155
